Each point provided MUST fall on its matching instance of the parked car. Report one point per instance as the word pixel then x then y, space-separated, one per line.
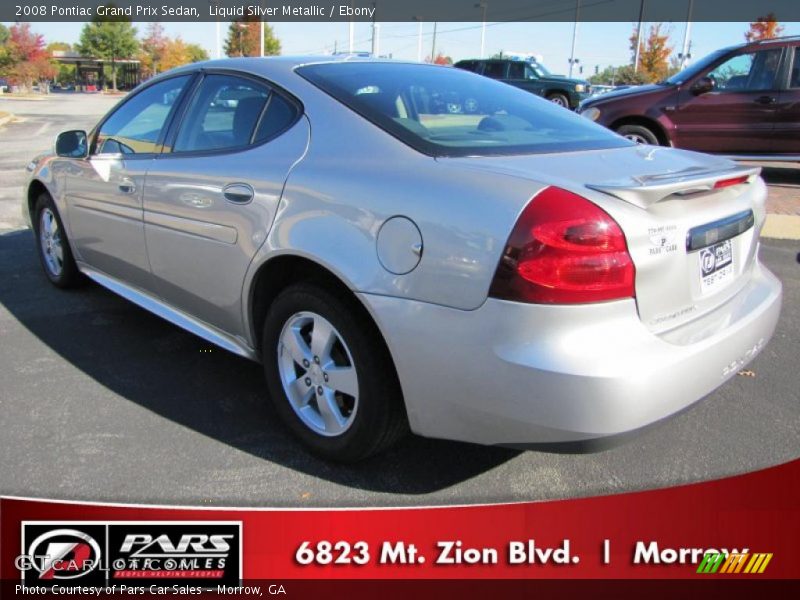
pixel 533 77
pixel 519 275
pixel 742 101
pixel 598 90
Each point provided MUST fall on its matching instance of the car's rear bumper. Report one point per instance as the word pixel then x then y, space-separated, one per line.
pixel 518 374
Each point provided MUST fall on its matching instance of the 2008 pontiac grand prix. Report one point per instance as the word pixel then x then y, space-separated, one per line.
pixel 406 246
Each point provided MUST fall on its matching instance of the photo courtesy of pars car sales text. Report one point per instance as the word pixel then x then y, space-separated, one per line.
pixel 370 298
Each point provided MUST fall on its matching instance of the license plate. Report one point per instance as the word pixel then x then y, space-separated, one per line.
pixel 716 267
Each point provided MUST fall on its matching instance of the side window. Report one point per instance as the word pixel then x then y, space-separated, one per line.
pixel 223 114
pixel 134 128
pixel 794 76
pixel 468 65
pixel 530 73
pixel 278 116
pixel 516 70
pixel 747 72
pixel 495 70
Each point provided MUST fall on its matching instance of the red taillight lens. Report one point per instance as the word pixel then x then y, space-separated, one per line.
pixel 564 250
pixel 723 183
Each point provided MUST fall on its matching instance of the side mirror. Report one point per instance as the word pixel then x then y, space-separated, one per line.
pixel 72 144
pixel 703 85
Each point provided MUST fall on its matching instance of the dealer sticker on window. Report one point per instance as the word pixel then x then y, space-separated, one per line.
pixel 716 267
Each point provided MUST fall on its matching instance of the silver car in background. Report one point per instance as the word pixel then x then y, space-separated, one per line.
pixel 517 275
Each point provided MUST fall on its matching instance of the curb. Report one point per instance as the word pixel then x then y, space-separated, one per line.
pixel 782 227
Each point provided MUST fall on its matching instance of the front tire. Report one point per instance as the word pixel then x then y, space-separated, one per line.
pixel 52 244
pixel 639 134
pixel 329 375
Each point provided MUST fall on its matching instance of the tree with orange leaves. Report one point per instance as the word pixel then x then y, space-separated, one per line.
pixel 30 61
pixel 654 52
pixel 763 28
pixel 243 39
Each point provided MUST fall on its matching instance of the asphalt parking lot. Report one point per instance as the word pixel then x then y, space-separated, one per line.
pixel 102 401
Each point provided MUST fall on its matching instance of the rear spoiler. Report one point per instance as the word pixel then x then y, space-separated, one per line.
pixel 646 190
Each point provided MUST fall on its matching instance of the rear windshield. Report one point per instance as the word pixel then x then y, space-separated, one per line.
pixel 443 111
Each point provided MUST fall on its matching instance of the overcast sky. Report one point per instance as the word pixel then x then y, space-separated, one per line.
pixel 600 44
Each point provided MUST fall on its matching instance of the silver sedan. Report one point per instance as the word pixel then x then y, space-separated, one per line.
pixel 511 274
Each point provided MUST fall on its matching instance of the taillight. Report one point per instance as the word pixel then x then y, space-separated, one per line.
pixel 723 183
pixel 564 250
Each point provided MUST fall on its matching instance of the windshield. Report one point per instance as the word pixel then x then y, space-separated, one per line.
pixel 695 69
pixel 540 70
pixel 443 111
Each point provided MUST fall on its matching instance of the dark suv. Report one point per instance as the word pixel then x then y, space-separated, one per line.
pixel 742 101
pixel 532 77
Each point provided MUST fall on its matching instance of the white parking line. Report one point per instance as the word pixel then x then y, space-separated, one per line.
pixel 45 126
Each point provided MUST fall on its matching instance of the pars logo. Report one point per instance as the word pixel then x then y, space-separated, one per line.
pixel 187 551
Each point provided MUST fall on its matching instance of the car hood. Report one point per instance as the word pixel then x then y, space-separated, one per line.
pixel 639 90
pixel 562 79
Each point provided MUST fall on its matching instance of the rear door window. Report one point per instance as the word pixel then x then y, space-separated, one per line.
pixel 223 114
pixel 495 70
pixel 516 70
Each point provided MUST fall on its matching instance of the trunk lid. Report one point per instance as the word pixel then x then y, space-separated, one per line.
pixel 691 221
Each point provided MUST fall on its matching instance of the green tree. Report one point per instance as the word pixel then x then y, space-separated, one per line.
pixel 64 73
pixel 196 53
pixel 109 40
pixel 6 59
pixel 618 76
pixel 58 47
pixel 243 39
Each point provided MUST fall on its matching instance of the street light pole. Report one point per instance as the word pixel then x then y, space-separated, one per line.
pixel 374 36
pixel 572 60
pixel 483 5
pixel 419 40
pixel 687 33
pixel 433 44
pixel 351 31
pixel 638 39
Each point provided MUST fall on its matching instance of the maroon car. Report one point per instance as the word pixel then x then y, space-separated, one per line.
pixel 742 101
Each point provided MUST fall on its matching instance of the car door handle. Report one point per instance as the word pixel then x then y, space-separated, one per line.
pixel 126 186
pixel 765 100
pixel 238 193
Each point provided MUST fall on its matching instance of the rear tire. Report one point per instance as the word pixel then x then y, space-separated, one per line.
pixel 639 134
pixel 329 375
pixel 52 244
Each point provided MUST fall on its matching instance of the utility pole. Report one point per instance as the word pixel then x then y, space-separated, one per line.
pixel 419 40
pixel 485 6
pixel 433 45
pixel 351 42
pixel 638 39
pixel 572 59
pixel 218 53
pixel 687 33
pixel 374 31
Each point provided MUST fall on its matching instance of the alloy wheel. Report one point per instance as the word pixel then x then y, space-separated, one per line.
pixel 50 241
pixel 318 374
